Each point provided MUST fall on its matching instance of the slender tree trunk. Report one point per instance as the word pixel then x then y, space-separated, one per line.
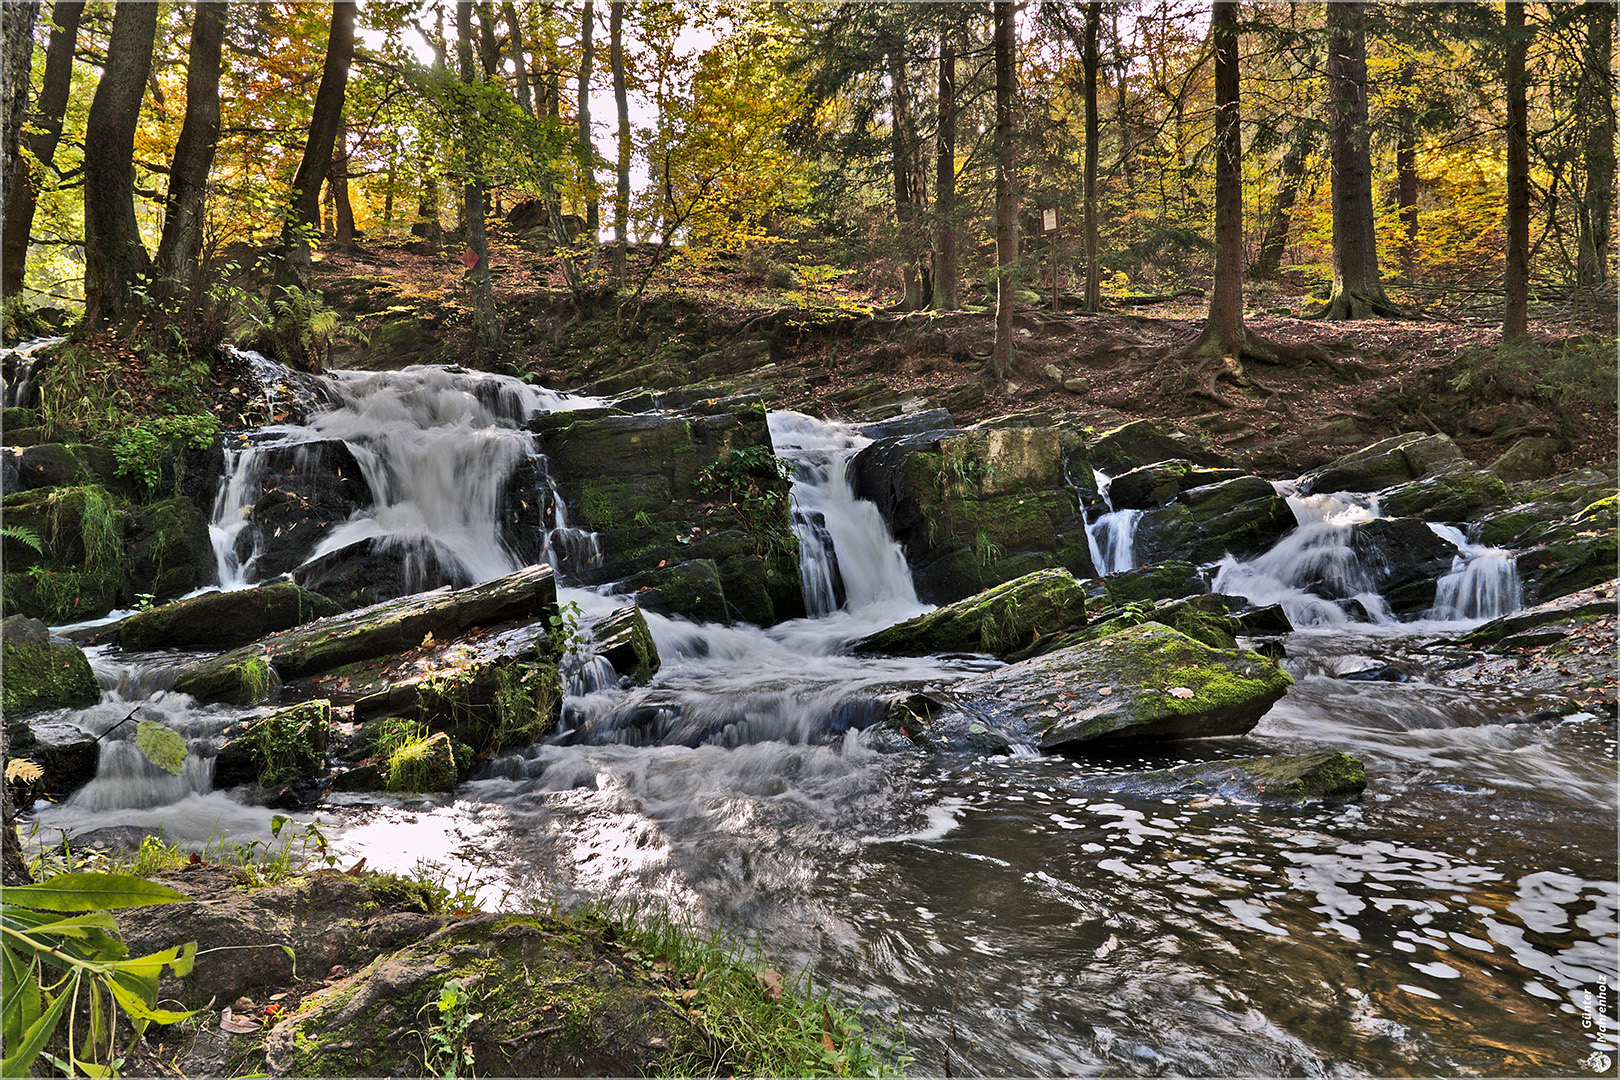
pixel 183 216
pixel 17 44
pixel 13 870
pixel 1597 151
pixel 486 325
pixel 489 47
pixel 1516 303
pixel 901 138
pixel 337 181
pixel 525 95
pixel 113 253
pixel 1358 292
pixel 23 196
pixel 388 188
pixel 945 267
pixel 587 151
pixel 1406 178
pixel 1291 177
pixel 1122 119
pixel 304 213
pixel 621 101
pixel 1090 61
pixel 1223 333
pixel 1001 359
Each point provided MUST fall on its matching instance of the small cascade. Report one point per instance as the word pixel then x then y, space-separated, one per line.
pixel 435 447
pixel 1483 582
pixel 1112 536
pixel 566 548
pixel 17 372
pixel 847 559
pixel 1312 570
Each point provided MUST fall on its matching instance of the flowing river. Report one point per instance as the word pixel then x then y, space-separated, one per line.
pixel 1016 915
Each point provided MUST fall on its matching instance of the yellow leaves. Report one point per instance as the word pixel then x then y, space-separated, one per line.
pixel 21 770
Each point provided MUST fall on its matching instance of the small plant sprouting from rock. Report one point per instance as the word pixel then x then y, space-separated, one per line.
pixel 446 1038
pixel 564 631
pixel 754 482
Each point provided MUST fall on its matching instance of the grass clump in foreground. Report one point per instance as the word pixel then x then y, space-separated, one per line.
pixel 763 1023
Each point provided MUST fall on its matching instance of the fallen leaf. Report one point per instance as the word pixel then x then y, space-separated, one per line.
pixel 1179 691
pixel 427 640
pixel 1105 690
pixel 771 983
pixel 236 1025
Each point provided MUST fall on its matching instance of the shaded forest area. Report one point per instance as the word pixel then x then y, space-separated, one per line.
pixel 1302 222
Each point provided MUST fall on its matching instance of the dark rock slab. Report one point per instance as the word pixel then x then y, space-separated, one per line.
pixel 623 640
pixel 1144 442
pixel 1411 456
pixel 1284 778
pixel 1000 620
pixel 224 620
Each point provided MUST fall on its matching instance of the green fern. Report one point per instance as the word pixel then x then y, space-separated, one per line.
pixel 24 536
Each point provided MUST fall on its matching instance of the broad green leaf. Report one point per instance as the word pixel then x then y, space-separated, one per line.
pixel 152 964
pixel 80 926
pixel 163 746
pixel 33 1040
pixel 22 1003
pixel 91 892
pixel 138 1009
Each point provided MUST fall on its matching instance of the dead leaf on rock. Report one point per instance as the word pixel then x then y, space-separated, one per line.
pixel 1180 692
pixel 236 1025
pixel 771 983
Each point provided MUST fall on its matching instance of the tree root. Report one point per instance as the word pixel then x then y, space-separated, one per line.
pixel 1349 304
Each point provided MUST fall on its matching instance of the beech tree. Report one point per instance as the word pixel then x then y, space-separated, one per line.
pixel 486 324
pixel 1516 273
pixel 113 253
pixel 40 140
pixel 17 45
pixel 183 217
pixel 1596 106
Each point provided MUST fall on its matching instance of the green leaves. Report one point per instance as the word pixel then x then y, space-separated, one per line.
pixel 59 949
pixel 163 746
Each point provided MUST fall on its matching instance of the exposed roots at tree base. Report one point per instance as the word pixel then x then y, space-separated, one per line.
pixel 1218 361
pixel 1349 304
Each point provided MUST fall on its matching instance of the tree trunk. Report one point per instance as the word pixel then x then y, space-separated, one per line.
pixel 1597 152
pixel 1357 291
pixel 113 253
pixel 17 44
pixel 525 96
pixel 1090 61
pixel 13 870
pixel 1001 359
pixel 587 151
pixel 489 49
pixel 945 266
pixel 23 196
pixel 184 210
pixel 304 213
pixel 1223 332
pixel 486 326
pixel 1406 178
pixel 901 139
pixel 1516 286
pixel 1291 178
pixel 337 181
pixel 621 101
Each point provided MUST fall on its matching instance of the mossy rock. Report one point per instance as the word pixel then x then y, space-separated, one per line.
pixel 623 640
pixel 1285 778
pixel 1453 496
pixel 1205 619
pixel 691 589
pixel 80 527
pixel 424 765
pixel 224 620
pixel 1154 485
pixel 581 1008
pixel 1411 456
pixel 170 552
pixel 1171 580
pixel 1143 442
pixel 40 674
pixel 239 677
pixel 1000 620
pixel 53 465
pixel 490 705
pixel 1534 457
pixel 285 746
pixel 1567 565
pixel 1518 525
pixel 1146 684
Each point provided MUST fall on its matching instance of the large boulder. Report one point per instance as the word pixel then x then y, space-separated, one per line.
pixel 49 465
pixel 1453 496
pixel 169 550
pixel 1144 442
pixel 690 589
pixel 281 754
pixel 1240 516
pixel 1000 620
pixel 1145 684
pixel 1148 486
pixel 376 569
pixel 623 640
pixel 79 573
pixel 1412 456
pixel 40 673
pixel 1534 457
pixel 302 491
pixel 224 620
pixel 1575 554
pixel 1402 559
pixel 67 755
pixel 975 508
pixel 576 1006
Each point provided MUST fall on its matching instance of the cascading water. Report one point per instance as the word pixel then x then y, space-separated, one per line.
pixel 1483 582
pixel 1112 536
pixel 1316 556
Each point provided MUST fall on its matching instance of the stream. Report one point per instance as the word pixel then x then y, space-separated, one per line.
pixel 1016 915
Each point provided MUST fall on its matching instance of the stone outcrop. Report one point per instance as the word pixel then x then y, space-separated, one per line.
pixel 1412 456
pixel 1000 620
pixel 40 673
pixel 1285 778
pixel 223 620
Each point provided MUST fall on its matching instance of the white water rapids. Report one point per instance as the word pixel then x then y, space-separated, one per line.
pixel 1023 915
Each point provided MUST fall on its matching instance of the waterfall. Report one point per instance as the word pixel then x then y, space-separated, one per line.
pixel 435 448
pixel 1112 535
pixel 1317 554
pixel 1483 582
pixel 847 558
pixel 18 372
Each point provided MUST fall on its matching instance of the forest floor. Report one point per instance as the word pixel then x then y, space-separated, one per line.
pixel 835 351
